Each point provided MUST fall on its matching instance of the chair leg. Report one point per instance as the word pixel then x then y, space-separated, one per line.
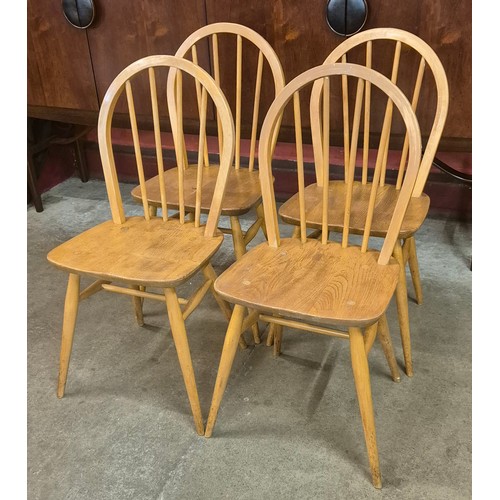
pixel 402 305
pixel 182 346
pixel 260 213
pixel 240 250
pixel 270 335
pixel 226 362
pixel 386 342
pixel 70 313
pixel 238 239
pixel 278 333
pixel 296 232
pixel 362 381
pixel 35 195
pixel 153 211
pixel 414 268
pixel 81 161
pixel 209 273
pixel 137 302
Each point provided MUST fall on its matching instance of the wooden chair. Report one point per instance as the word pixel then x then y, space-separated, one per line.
pixel 313 284
pixel 411 57
pixel 126 254
pixel 243 188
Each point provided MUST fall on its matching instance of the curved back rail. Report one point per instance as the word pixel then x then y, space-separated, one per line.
pixel 208 86
pixel 212 32
pixel 405 43
pixel 323 74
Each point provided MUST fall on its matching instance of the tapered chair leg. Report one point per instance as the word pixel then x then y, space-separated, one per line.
pixel 209 273
pixel 226 362
pixel 137 302
pixel 70 313
pixel 402 305
pixel 240 250
pixel 414 268
pixel 363 389
pixel 296 232
pixel 270 334
pixel 182 346
pixel 153 211
pixel 278 333
pixel 386 342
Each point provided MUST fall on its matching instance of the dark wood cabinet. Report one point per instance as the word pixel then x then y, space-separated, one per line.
pixel 69 69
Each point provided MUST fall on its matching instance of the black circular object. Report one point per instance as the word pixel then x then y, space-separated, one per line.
pixel 346 17
pixel 79 13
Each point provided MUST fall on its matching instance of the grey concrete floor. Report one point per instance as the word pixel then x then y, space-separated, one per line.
pixel 288 428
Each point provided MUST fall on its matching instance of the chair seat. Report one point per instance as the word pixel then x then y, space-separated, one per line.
pixel 318 283
pixel 152 253
pixel 241 194
pixel 384 208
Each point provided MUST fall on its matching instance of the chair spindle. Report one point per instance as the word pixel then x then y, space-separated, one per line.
pixel 326 158
pixel 255 118
pixel 300 165
pixel 238 101
pixel 137 147
pixel 201 148
pixel 366 127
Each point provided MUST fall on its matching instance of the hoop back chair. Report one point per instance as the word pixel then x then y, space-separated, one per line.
pixel 145 251
pixel 312 284
pixel 243 189
pixel 412 56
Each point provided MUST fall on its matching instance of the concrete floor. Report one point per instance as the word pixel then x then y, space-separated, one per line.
pixel 288 428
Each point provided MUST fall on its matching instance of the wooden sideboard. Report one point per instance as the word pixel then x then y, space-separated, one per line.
pixel 69 69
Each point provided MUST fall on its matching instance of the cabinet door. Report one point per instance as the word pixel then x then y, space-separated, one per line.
pixel 59 67
pixel 299 34
pixel 123 34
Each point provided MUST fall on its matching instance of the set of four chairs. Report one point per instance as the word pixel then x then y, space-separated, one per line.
pixel 330 277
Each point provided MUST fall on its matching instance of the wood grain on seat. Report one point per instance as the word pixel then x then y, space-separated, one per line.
pixel 385 203
pixel 152 253
pixel 338 286
pixel 242 190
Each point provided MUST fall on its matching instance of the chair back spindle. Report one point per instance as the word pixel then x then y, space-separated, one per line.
pixel 213 33
pixel 399 103
pixel 406 46
pixel 207 88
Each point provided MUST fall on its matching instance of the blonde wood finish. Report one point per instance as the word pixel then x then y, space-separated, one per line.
pixel 368 203
pixel 384 203
pixel 386 342
pixel 128 254
pixel 319 284
pixel 243 191
pixel 303 326
pixel 402 306
pixel 164 253
pixel 93 288
pixel 137 303
pixel 182 346
pixel 414 268
pixel 340 291
pixel 362 381
pixel 226 362
pixel 68 330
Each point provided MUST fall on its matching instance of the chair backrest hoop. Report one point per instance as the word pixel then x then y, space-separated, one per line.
pixel 268 53
pixel 437 69
pixel 105 121
pixel 275 111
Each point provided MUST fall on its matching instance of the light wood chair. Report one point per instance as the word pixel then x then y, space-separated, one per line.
pixel 127 254
pixel 243 189
pixel 312 284
pixel 411 56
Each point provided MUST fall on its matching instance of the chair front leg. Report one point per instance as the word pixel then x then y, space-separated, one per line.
pixel 402 306
pixel 182 346
pixel 70 313
pixel 414 268
pixel 363 389
pixel 137 303
pixel 226 362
